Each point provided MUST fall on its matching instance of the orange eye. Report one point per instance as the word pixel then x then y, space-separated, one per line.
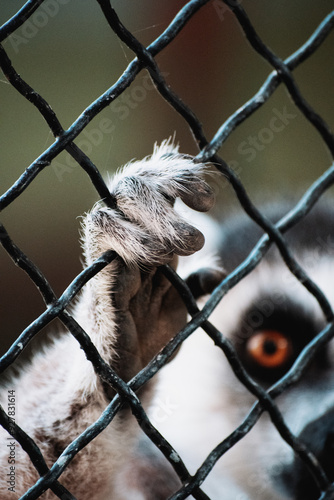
pixel 269 348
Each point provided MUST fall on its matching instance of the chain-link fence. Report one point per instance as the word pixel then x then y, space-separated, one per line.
pixel 56 307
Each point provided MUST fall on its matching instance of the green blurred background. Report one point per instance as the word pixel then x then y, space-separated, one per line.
pixel 68 54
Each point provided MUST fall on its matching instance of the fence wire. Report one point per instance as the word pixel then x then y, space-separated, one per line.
pixel 282 74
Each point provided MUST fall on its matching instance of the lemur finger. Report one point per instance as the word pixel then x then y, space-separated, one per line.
pixel 106 229
pixel 190 239
pixel 199 196
pixel 192 190
pixel 169 173
pixel 145 228
pixel 204 280
pixel 151 210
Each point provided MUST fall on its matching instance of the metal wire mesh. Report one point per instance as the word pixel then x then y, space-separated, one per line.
pixel 282 74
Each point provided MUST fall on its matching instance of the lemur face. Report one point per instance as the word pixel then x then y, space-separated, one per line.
pixel 270 318
pixel 276 319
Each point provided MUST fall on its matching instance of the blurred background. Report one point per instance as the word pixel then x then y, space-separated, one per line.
pixel 67 53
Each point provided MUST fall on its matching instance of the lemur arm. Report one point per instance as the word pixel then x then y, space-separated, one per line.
pixel 130 310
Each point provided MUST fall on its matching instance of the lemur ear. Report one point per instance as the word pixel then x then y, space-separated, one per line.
pixel 204 280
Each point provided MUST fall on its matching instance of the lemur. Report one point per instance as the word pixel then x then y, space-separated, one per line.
pixel 130 310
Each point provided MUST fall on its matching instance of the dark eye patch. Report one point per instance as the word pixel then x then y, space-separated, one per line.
pixel 291 321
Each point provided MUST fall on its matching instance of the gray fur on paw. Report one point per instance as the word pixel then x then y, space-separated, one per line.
pixel 145 229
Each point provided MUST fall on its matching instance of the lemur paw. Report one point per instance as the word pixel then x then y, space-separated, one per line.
pixel 145 229
pixel 135 309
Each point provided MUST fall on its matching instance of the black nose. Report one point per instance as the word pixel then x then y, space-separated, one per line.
pixel 319 437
